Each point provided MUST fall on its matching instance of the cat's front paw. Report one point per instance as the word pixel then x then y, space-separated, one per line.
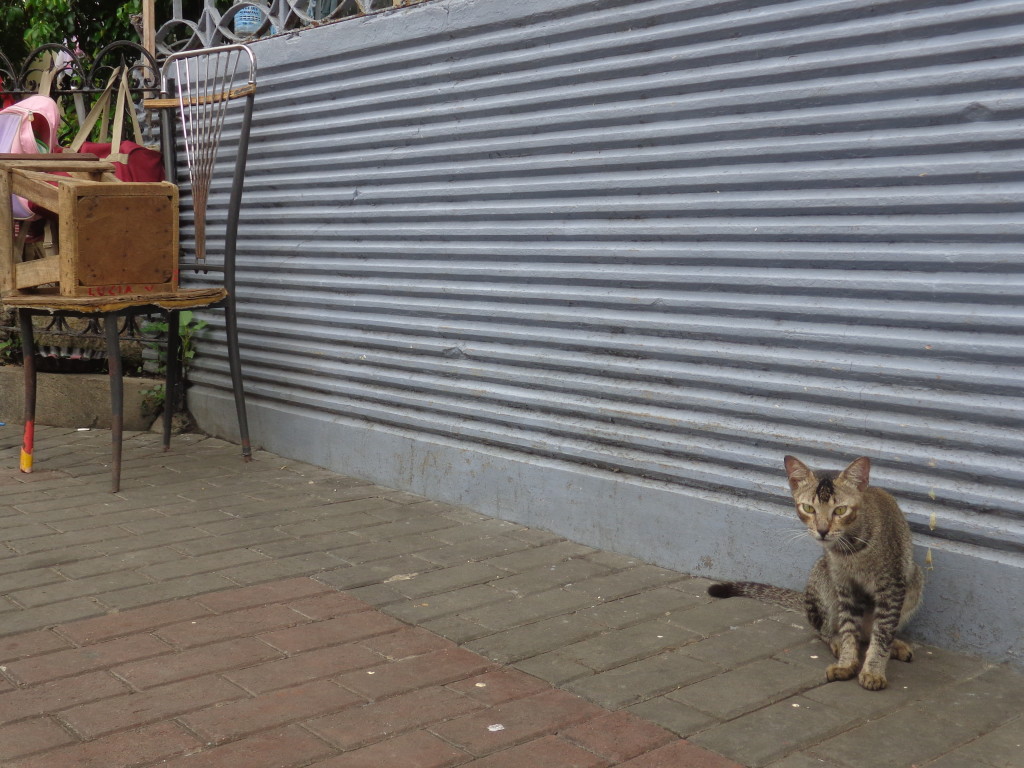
pixel 872 681
pixel 840 672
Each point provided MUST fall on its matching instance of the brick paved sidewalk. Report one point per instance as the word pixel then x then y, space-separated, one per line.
pixel 216 613
pixel 294 673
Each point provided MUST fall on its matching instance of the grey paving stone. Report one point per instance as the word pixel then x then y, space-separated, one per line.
pixel 952 666
pixel 1001 748
pixel 75 538
pixel 27 530
pixel 849 697
pixel 129 543
pixel 282 568
pixel 661 602
pixel 388 512
pixel 694 585
pixel 218 561
pixel 148 594
pixel 478 549
pixel 286 546
pixel 612 560
pixel 770 734
pixel 884 743
pixel 526 610
pixel 456 629
pixel 956 759
pixel 369 526
pixel 16 563
pixel 161 522
pixel 424 609
pixel 119 562
pixel 721 615
pixel 68 589
pixel 617 647
pixel 549 577
pixel 376 572
pixel 750 687
pixel 210 493
pixel 47 615
pixel 377 595
pixel 810 653
pixel 986 701
pixel 211 544
pixel 521 643
pixel 60 506
pixel 35 577
pixel 383 550
pixel 908 683
pixel 800 760
pixel 443 579
pixel 645 679
pixel 464 533
pixel 554 668
pixel 681 719
pixel 387 531
pixel 466 515
pixel 269 515
pixel 627 582
pixel 404 497
pixel 539 557
pixel 536 537
pixel 747 642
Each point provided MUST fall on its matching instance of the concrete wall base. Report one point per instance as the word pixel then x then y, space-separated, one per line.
pixel 972 596
pixel 74 399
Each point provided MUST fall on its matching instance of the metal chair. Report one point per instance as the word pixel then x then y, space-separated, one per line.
pixel 203 87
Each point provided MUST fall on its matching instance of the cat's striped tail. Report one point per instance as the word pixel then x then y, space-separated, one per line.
pixel 787 598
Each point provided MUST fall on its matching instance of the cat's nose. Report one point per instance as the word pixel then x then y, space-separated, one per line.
pixel 822 532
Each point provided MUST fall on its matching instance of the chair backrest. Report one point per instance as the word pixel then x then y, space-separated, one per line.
pixel 206 83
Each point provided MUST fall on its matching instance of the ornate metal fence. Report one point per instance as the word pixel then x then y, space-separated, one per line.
pixel 74 79
pixel 246 20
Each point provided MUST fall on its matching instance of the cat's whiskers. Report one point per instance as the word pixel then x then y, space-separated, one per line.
pixel 790 537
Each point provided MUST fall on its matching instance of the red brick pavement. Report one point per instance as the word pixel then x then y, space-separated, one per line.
pixel 290 674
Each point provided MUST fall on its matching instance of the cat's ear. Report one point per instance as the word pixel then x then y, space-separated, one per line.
pixel 799 473
pixel 857 473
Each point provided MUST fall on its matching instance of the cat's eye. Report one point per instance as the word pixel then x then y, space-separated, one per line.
pixel 840 511
pixel 807 509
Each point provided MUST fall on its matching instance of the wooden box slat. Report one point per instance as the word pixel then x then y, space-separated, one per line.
pixel 115 238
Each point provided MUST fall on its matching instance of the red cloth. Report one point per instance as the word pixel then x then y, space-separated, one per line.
pixel 143 164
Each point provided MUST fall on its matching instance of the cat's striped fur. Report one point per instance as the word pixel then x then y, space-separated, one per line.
pixel 865 586
pixel 787 598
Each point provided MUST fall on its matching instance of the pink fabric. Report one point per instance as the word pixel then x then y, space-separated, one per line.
pixel 20 126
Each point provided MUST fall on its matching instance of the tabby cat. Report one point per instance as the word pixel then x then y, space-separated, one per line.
pixel 866 585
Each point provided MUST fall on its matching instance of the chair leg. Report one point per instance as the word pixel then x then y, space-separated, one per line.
pixel 28 356
pixel 116 398
pixel 172 373
pixel 235 364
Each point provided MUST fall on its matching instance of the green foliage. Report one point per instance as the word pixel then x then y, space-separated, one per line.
pixel 188 327
pixel 10 350
pixel 27 24
pixel 153 400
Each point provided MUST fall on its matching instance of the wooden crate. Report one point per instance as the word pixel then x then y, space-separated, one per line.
pixel 114 238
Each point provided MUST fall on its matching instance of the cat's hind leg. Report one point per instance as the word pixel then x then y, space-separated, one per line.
pixel 821 606
pixel 901 651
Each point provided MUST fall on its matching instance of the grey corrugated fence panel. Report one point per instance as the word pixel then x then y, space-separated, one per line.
pixel 665 241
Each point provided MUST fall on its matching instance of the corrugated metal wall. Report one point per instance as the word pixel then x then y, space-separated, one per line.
pixel 673 240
